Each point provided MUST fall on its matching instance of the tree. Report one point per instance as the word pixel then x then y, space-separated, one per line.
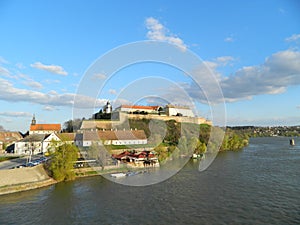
pixel 173 132
pixel 99 153
pixel 72 125
pixel 62 162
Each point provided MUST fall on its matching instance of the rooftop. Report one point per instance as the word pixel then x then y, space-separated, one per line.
pixel 140 107
pixel 40 127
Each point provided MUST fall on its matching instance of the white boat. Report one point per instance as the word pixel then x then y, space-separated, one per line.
pixel 133 173
pixel 198 156
pixel 118 175
pixel 292 142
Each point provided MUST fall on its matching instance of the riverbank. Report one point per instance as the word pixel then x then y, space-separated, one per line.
pixel 23 179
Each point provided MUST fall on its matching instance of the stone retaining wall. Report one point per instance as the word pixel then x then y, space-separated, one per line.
pixel 21 179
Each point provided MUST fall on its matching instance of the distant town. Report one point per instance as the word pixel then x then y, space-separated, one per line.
pixel 105 122
pixel 256 131
pixel 101 128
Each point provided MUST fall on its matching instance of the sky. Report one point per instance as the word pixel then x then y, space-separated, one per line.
pixel 251 48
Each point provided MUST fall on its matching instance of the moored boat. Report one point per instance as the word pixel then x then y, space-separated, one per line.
pixel 118 175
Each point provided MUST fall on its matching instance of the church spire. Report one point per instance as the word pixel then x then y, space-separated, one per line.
pixel 33 121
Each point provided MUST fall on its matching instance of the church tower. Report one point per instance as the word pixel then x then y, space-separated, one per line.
pixel 33 121
pixel 107 108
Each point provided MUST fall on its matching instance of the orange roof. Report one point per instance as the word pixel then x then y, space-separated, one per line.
pixel 54 127
pixel 140 107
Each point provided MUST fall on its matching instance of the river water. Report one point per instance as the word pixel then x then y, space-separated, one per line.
pixel 259 185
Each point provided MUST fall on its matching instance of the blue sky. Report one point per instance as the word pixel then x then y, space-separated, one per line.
pixel 251 46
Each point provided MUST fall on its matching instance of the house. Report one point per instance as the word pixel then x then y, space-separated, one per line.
pixel 41 143
pixel 138 159
pixel 8 138
pixel 43 128
pixel 87 138
pixel 172 110
pixel 32 144
pixel 110 137
pixel 123 137
pixel 139 109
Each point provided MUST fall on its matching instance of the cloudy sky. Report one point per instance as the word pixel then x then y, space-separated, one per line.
pixel 250 47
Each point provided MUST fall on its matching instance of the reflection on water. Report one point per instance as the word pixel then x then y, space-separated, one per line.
pixel 257 185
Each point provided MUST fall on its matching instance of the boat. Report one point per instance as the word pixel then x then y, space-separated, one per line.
pixel 198 156
pixel 133 173
pixel 292 142
pixel 118 175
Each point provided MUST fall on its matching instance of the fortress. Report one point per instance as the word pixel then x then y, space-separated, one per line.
pixel 107 119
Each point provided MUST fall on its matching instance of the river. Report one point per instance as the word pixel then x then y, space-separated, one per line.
pixel 258 185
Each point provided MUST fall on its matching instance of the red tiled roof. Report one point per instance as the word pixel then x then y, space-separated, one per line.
pixel 37 127
pixel 141 155
pixel 140 107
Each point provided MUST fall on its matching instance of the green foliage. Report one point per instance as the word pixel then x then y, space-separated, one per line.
pixel 62 161
pixel 233 141
pixel 140 124
pixel 98 152
pixel 72 125
pixel 173 132
pixel 183 139
pixel 162 152
pixel 200 148
pixel 204 133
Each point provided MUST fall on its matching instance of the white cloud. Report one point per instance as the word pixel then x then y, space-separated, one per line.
pixel 20 66
pixel 157 32
pixel 49 108
pixel 229 39
pixel 52 81
pixel 294 37
pixel 224 60
pixel 9 93
pixel 34 84
pixel 100 76
pixel 28 81
pixel 16 114
pixel 3 61
pixel 278 72
pixel 50 68
pixel 4 72
pixel 112 91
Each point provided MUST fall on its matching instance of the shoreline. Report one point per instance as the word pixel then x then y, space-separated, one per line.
pixel 80 173
pixel 5 190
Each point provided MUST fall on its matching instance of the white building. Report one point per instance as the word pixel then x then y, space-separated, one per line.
pixel 172 110
pixel 41 143
pixel 139 109
pixel 30 145
pixel 111 137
